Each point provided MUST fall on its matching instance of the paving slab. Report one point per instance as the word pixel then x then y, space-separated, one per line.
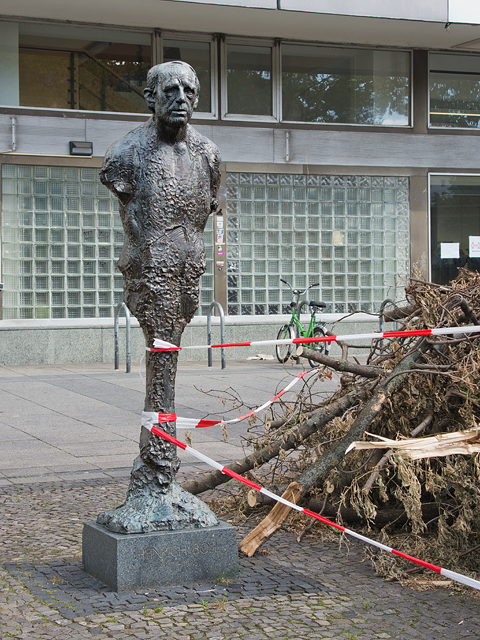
pixel 10 434
pixel 56 416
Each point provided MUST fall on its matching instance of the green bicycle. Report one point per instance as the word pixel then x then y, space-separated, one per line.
pixel 294 328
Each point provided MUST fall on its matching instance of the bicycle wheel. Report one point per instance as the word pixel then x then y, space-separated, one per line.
pixel 284 351
pixel 319 347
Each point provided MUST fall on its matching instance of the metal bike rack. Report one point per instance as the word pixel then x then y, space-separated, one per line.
pixel 380 313
pixel 380 316
pixel 222 332
pixel 118 308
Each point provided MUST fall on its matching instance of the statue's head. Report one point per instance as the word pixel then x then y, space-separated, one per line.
pixel 172 92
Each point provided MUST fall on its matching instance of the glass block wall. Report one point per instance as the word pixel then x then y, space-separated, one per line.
pixel 61 239
pixel 350 233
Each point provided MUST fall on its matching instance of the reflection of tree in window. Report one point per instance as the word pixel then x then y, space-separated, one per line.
pixel 332 85
pixel 249 80
pixel 455 91
pixel 109 70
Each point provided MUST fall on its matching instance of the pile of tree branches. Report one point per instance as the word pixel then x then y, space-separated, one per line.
pixel 406 387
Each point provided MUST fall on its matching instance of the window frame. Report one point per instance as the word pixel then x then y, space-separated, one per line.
pixel 25 109
pixel 276 87
pixel 196 37
pixel 410 123
pixel 444 127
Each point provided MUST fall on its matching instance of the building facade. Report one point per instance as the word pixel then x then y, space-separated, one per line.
pixel 349 141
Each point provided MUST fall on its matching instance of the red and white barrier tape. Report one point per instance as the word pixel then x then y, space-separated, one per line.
pixel 161 345
pixel 150 418
pixel 458 577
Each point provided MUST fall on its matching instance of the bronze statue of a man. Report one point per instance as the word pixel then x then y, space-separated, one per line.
pixel 166 177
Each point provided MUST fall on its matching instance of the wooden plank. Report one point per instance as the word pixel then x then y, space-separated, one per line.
pixel 272 522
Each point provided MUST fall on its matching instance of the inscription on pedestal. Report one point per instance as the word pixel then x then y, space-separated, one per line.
pixel 187 553
pixel 134 561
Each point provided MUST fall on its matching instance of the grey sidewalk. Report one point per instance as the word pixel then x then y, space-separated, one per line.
pixel 85 419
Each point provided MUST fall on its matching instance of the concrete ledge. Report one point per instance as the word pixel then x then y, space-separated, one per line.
pixel 165 558
pixel 27 342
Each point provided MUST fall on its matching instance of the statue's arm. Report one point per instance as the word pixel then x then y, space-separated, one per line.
pixel 116 172
pixel 118 175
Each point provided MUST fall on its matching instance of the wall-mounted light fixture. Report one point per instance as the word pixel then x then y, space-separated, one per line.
pixel 81 148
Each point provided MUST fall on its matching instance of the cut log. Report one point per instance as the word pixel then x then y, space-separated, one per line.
pixel 271 523
pixel 290 440
pixel 275 424
pixel 338 364
pixel 383 518
pixel 400 312
pixel 257 499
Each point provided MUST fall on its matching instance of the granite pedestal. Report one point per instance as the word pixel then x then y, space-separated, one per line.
pixel 164 558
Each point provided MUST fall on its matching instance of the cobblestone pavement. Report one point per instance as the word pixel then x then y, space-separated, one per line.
pixel 293 590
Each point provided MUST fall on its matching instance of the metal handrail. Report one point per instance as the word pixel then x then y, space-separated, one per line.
pixel 222 332
pixel 112 73
pixel 118 308
pixel 135 89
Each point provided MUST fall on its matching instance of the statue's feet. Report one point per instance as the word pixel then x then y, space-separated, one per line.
pixel 146 511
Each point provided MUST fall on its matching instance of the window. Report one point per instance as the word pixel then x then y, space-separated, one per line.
pixel 454 90
pixel 454 225
pixel 201 56
pixel 249 82
pixel 65 67
pixel 315 84
pixel 348 86
pixel 61 240
pixel 350 233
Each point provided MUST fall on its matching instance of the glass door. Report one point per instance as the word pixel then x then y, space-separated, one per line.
pixel 454 225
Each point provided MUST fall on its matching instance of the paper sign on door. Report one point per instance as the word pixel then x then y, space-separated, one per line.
pixel 449 250
pixel 474 246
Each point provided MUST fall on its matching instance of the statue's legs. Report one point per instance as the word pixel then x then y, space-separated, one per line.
pixel 154 501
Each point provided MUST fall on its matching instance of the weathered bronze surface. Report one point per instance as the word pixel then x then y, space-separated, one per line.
pixel 166 177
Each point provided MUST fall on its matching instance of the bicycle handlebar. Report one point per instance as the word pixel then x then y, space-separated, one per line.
pixel 297 292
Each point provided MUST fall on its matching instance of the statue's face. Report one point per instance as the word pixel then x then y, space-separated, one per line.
pixel 175 97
